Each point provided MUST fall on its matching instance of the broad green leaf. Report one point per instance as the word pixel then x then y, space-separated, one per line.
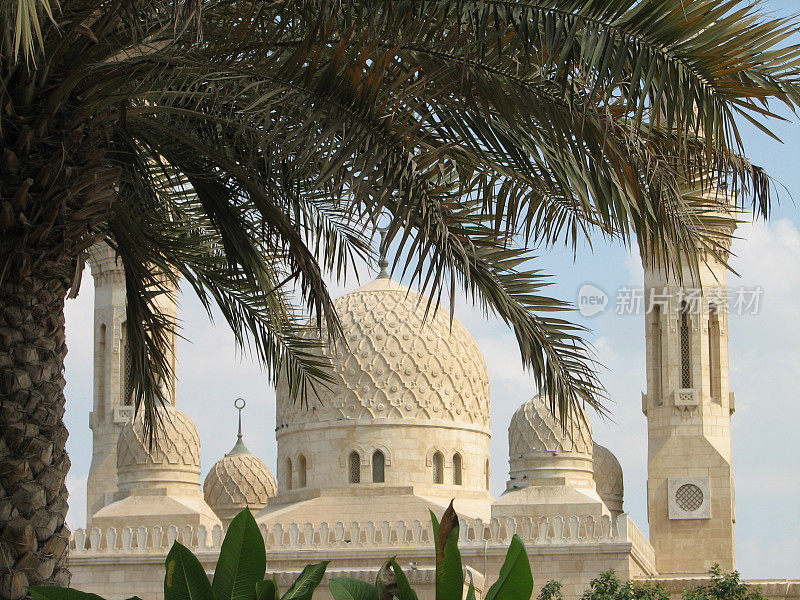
pixel 434 525
pixel 515 581
pixel 403 587
pixel 266 589
pixel 305 584
pixel 450 574
pixel 242 560
pixel 185 578
pixel 60 593
pixel 348 588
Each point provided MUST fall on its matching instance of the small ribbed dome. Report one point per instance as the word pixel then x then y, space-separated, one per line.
pixel 398 364
pixel 172 459
pixel 541 448
pixel 608 478
pixel 237 481
pixel 176 442
pixel 535 429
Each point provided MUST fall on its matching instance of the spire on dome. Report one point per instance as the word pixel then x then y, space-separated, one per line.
pixel 239 447
pixel 382 262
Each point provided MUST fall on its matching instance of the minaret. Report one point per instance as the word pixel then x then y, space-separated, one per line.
pixel 113 402
pixel 690 494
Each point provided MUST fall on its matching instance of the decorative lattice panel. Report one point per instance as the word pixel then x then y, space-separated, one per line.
pixel 686 350
pixel 355 468
pixel 689 497
pixel 127 365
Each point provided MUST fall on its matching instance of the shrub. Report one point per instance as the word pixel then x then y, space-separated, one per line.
pixel 608 587
pixel 551 591
pixel 724 586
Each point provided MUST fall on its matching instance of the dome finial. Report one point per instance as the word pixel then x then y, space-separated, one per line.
pixel 382 262
pixel 239 447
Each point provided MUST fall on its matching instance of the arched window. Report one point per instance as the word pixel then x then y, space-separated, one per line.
pixel 487 474
pixel 288 473
pixel 301 471
pixel 125 365
pixel 378 467
pixel 457 469
pixel 715 383
pixel 355 467
pixel 686 348
pixel 438 468
pixel 100 366
pixel 658 356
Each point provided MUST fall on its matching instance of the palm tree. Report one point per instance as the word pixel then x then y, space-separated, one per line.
pixel 251 147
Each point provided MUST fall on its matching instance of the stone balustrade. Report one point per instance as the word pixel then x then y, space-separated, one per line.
pixel 552 530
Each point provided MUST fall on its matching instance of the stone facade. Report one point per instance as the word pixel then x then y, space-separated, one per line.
pixel 688 405
pixel 112 406
pixel 571 550
pixel 403 429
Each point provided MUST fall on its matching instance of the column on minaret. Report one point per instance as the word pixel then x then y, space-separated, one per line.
pixel 112 406
pixel 688 408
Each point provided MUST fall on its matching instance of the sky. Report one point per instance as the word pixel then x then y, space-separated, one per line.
pixel 764 365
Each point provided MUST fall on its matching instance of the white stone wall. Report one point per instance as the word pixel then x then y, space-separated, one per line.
pixel 119 564
pixel 689 431
pixel 108 415
pixel 408 446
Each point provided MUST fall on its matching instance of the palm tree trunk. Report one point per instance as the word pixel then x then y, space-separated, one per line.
pixel 34 538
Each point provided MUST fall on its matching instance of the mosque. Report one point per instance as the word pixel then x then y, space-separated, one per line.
pixel 404 430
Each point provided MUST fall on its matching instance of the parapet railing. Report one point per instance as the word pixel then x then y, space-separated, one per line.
pixel 534 531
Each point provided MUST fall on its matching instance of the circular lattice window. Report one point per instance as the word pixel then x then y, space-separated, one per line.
pixel 689 497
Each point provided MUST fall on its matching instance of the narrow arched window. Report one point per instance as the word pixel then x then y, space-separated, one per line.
pixel 487 474
pixel 125 367
pixel 301 471
pixel 457 466
pixel 355 467
pixel 658 356
pixel 438 468
pixel 378 467
pixel 100 369
pixel 288 473
pixel 686 348
pixel 715 378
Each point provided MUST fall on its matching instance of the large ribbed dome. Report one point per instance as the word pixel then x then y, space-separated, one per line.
pixel 608 478
pixel 176 442
pixel 535 430
pixel 236 481
pixel 398 364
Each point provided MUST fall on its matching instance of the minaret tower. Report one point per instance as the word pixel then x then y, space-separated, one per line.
pixel 113 402
pixel 688 405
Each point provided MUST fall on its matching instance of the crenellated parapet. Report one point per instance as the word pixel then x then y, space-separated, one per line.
pixel 385 535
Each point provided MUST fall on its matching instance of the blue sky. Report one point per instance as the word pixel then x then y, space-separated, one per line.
pixel 765 373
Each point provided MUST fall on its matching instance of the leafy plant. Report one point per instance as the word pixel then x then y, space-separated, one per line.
pixel 551 591
pixel 609 587
pixel 514 582
pixel 724 586
pixel 239 574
